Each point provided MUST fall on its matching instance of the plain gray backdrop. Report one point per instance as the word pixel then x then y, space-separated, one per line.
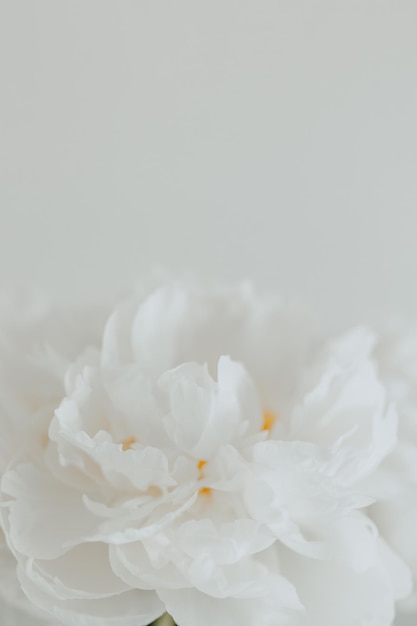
pixel 269 139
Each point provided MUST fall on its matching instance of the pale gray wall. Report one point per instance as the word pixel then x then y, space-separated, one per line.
pixel 262 138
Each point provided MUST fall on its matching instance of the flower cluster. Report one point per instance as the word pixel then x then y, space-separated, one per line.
pixel 199 450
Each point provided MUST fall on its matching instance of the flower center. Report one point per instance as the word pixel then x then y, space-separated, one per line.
pixel 204 491
pixel 269 420
pixel 128 443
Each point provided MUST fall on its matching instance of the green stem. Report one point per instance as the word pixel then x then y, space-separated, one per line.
pixel 164 620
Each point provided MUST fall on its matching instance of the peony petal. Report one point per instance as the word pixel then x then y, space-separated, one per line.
pixel 45 517
pixel 190 607
pixel 82 572
pixel 132 608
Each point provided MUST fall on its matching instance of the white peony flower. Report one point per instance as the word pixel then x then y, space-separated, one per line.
pixel 212 461
pixel 396 481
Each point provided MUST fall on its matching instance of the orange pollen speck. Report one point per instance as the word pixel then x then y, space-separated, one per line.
pixel 128 443
pixel 204 491
pixel 201 464
pixel 269 420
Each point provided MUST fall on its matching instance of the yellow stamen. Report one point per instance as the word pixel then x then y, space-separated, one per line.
pixel 128 443
pixel 269 420
pixel 204 491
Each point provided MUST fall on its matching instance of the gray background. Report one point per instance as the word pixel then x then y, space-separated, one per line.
pixel 275 140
